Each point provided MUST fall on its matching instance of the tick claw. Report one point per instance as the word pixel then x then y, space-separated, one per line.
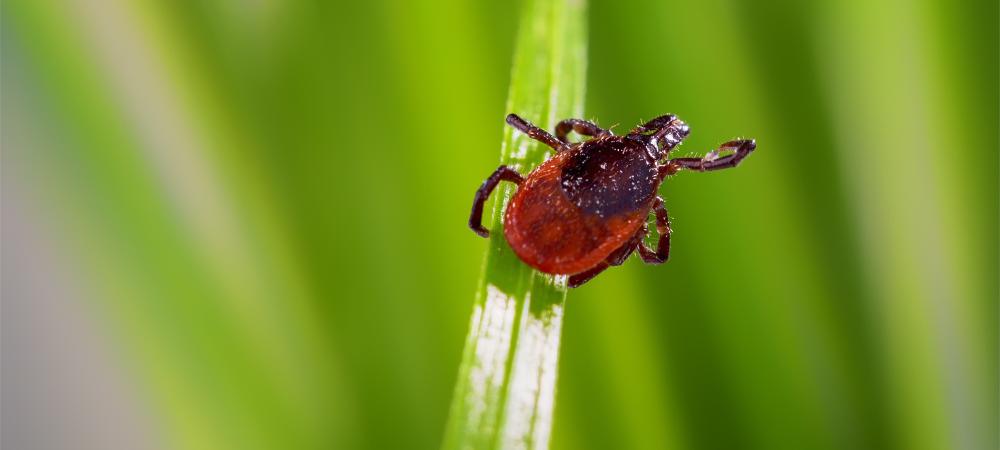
pixel 482 232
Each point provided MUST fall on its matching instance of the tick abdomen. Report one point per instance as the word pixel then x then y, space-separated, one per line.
pixel 565 223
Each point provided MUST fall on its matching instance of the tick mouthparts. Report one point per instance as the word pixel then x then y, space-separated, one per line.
pixel 671 135
pixel 676 129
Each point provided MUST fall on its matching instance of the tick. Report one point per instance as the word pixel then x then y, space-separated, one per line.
pixel 585 208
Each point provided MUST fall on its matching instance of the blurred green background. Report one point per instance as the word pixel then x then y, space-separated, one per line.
pixel 241 225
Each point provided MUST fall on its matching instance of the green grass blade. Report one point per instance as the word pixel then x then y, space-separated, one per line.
pixel 505 393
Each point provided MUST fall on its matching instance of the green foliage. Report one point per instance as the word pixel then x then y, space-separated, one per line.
pixel 260 208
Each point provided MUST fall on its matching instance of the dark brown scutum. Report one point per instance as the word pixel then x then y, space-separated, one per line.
pixel 608 177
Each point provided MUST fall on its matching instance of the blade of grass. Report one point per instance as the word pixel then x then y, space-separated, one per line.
pixel 505 393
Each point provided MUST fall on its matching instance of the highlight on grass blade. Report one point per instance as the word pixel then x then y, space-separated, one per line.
pixel 505 392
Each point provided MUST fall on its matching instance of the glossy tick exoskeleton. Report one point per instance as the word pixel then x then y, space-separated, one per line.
pixel 586 207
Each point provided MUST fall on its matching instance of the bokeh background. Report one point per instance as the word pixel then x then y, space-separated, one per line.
pixel 241 225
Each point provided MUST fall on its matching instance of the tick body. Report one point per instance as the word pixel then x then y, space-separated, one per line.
pixel 585 208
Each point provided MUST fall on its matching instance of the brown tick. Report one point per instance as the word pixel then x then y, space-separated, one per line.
pixel 585 208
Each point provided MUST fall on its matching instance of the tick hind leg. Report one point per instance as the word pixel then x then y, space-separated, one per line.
pixel 581 127
pixel 741 148
pixel 576 280
pixel 616 258
pixel 534 132
pixel 503 173
pixel 662 252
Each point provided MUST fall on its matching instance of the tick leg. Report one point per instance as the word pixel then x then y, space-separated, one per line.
pixel 741 148
pixel 585 276
pixel 650 256
pixel 476 218
pixel 534 132
pixel 581 127
pixel 616 258
pixel 662 252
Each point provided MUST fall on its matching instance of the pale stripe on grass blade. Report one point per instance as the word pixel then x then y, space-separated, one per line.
pixel 505 393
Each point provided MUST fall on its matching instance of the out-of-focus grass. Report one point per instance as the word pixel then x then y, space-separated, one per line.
pixel 262 207
pixel 505 393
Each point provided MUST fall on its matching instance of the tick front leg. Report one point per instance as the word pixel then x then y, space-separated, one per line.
pixel 662 252
pixel 534 132
pixel 476 218
pixel 741 148
pixel 581 127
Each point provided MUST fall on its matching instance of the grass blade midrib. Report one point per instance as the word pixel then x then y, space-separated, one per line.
pixel 504 396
